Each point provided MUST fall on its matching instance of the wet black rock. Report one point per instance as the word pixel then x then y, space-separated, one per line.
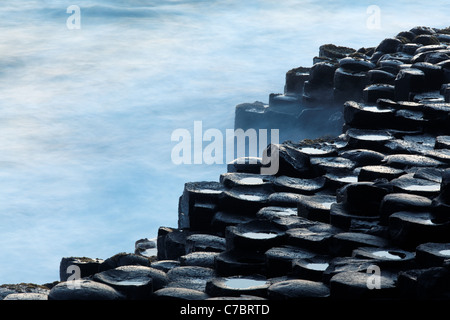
pixel 425 284
pixel 26 296
pixel 311 268
pixel 389 45
pixel 38 291
pixel 318 241
pixel 199 259
pixel 279 260
pixel 124 259
pixel 343 244
pixel 359 207
pixel 165 265
pixel 397 202
pixel 316 208
pixel 358 115
pixel 84 290
pixel 363 157
pixel 377 91
pixel 432 254
pixel 171 243
pixel 298 289
pixel 205 243
pixel 408 80
pixel 426 39
pixel 387 258
pixel 237 286
pixel 322 74
pixel 360 285
pixel 256 236
pixel 295 80
pixel 410 229
pixel 335 52
pixel 135 282
pixel 381 76
pixel 418 30
pixel 230 263
pixel 190 277
pixel 80 266
pixel 372 173
pixel 296 185
pixel 174 293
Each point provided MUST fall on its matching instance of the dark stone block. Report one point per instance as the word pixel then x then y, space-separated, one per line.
pixel 409 229
pixel 434 75
pixel 378 91
pixel 245 201
pixel 354 285
pixel 363 198
pixel 233 263
pixel 237 286
pixel 205 243
pixel 363 116
pixel 334 52
pixel 255 236
pixel 295 79
pixel 426 39
pixel 316 207
pixel 200 197
pixel 397 202
pixel 418 30
pixel 279 259
pixel 85 290
pixel 372 173
pixel 407 81
pixel 134 282
pixel 363 157
pixel 432 254
pixel 298 289
pixel 343 244
pixel 380 76
pixel 316 241
pixel 87 267
pixel 389 45
pixel 342 217
pixel 311 268
pixel 179 294
pixel 190 277
pixel 322 74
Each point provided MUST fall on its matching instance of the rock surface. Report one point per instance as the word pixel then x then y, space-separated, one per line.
pixel 362 213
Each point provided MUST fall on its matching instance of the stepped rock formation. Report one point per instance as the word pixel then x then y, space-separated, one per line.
pixel 363 214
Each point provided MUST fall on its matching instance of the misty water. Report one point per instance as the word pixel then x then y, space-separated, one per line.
pixel 86 115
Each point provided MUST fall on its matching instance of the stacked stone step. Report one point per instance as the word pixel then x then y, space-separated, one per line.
pixel 412 66
pixel 331 213
pixel 362 215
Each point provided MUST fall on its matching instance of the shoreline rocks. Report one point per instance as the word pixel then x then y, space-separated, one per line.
pixel 360 214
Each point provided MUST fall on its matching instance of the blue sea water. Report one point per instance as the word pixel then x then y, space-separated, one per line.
pixel 86 115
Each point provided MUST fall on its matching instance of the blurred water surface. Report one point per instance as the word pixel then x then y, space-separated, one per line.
pixel 86 115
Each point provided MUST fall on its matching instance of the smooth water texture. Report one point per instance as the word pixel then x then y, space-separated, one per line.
pixel 251 181
pixel 374 137
pixel 349 179
pixel 86 115
pixel 260 235
pixel 314 151
pixel 250 197
pixel 418 187
pixel 317 266
pixel 244 283
pixel 387 254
